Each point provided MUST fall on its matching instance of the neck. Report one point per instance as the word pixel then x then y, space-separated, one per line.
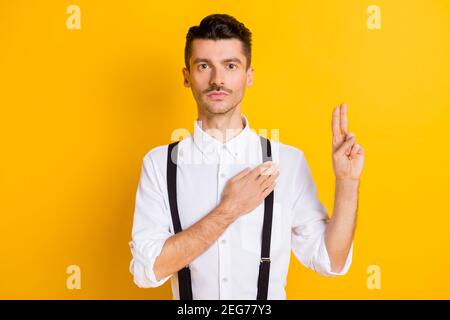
pixel 222 127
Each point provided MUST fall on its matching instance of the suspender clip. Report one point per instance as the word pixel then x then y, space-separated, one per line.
pixel 267 260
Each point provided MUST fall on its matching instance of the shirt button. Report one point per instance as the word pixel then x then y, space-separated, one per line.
pixel 224 241
pixel 224 279
pixel 223 175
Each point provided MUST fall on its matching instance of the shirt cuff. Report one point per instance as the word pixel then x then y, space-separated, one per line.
pixel 324 263
pixel 142 263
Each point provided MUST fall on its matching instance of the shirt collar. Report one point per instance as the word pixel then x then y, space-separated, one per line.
pixel 209 145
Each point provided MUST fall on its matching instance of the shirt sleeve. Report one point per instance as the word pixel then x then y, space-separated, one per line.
pixel 309 225
pixel 151 227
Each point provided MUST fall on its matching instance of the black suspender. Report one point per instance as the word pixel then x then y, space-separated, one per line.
pixel 184 275
pixel 264 265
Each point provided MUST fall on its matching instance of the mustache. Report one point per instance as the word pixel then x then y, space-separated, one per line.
pixel 217 88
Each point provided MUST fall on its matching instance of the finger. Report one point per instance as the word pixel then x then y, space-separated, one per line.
pixel 343 117
pixel 346 146
pixel 348 136
pixel 361 150
pixel 355 150
pixel 268 171
pixel 335 122
pixel 242 174
pixel 268 190
pixel 259 169
pixel 269 180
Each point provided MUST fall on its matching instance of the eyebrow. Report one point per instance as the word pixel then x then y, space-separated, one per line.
pixel 197 60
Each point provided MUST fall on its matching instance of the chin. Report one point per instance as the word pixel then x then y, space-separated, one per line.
pixel 219 109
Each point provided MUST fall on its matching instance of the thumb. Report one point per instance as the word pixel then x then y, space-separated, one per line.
pixel 346 145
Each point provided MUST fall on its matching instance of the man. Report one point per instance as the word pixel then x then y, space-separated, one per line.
pixel 222 188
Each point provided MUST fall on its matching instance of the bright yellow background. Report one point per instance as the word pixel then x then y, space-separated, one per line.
pixel 80 108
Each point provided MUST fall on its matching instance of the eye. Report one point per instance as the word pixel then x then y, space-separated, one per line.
pixel 232 66
pixel 203 66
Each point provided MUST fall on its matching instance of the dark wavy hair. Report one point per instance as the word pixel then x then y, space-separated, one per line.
pixel 216 27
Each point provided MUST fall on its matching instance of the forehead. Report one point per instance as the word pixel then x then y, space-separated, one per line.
pixel 217 49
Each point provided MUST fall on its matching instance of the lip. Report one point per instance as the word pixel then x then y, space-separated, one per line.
pixel 217 94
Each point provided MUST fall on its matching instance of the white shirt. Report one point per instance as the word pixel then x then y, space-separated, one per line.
pixel 229 268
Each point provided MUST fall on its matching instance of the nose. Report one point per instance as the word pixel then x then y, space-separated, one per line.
pixel 217 78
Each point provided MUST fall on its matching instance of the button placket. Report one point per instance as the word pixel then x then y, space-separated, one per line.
pixel 224 248
pixel 222 174
pixel 224 269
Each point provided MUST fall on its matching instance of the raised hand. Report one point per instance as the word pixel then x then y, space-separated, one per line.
pixel 348 155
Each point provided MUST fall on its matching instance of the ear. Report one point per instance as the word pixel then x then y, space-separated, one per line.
pixel 250 76
pixel 186 81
